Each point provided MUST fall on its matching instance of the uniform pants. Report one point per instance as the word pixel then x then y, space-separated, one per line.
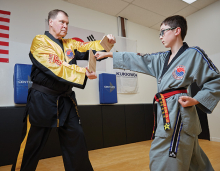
pixel 188 157
pixel 72 142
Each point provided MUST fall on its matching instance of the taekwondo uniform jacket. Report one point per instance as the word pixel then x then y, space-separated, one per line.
pixel 54 67
pixel 191 64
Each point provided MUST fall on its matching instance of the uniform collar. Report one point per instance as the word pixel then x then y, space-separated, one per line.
pixel 59 42
pixel 166 66
pixel 181 50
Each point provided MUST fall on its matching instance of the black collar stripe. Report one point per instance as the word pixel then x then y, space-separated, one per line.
pixel 166 66
pixel 57 41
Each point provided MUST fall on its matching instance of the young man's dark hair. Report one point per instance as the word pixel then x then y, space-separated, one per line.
pixel 177 21
pixel 52 14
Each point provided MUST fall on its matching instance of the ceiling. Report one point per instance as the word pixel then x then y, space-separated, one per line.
pixel 149 13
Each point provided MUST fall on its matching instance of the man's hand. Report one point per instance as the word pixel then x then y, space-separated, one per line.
pixel 111 39
pixel 101 55
pixel 187 101
pixel 91 75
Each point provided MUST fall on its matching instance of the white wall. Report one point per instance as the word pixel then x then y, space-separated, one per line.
pixel 203 31
pixel 27 20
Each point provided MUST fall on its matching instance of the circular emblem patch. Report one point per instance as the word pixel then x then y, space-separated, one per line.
pixel 179 72
pixel 69 54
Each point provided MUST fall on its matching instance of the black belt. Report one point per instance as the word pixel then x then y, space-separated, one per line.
pixel 161 98
pixel 46 90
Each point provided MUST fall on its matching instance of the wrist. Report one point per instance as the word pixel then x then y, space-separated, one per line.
pixel 109 54
pixel 196 101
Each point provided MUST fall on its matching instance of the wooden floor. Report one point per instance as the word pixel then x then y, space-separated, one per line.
pixel 129 157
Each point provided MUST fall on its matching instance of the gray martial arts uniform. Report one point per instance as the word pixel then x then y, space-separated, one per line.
pixel 178 149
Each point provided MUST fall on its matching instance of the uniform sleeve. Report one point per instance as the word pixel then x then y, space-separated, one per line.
pixel 44 57
pixel 149 64
pixel 82 49
pixel 207 78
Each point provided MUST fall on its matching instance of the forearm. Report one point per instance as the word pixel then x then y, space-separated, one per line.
pixel 108 54
pixel 132 61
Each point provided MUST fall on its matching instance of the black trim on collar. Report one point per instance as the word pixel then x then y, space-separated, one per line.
pixel 59 42
pixel 166 65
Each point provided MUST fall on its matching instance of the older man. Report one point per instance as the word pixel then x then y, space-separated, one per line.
pixel 51 101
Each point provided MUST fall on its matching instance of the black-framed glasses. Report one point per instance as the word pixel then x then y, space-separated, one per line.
pixel 162 31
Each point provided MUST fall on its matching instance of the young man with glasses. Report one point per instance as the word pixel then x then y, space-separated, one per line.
pixel 175 145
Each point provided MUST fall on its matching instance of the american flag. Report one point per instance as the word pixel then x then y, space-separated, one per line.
pixel 4 35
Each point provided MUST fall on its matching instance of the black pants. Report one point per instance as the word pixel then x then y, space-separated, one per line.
pixel 72 142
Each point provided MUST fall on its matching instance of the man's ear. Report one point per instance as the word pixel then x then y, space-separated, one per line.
pixel 50 22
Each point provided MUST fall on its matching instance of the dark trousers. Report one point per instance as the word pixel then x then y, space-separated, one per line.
pixel 72 142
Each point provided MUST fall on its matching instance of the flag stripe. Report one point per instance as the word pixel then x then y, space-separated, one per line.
pixel 5 19
pixel 4 60
pixel 3 27
pixel 4 43
pixel 5 12
pixel 4 55
pixel 5 16
pixel 4 35
pixel 4 47
pixel 4 39
pixel 4 23
pixel 4 31
pixel 4 51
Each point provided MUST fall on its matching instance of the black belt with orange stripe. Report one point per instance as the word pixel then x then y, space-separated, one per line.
pixel 161 98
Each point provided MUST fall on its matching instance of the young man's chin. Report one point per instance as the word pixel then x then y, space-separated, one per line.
pixel 166 45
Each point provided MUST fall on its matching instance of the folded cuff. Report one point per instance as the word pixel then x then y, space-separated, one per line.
pixel 207 102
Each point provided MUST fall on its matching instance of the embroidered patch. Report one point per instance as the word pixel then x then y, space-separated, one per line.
pixel 179 72
pixel 54 59
pixel 69 54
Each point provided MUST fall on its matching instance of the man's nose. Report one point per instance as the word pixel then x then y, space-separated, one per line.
pixel 65 25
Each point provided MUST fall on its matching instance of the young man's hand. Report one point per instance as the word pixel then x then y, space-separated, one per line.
pixel 187 101
pixel 101 55
pixel 91 75
pixel 111 39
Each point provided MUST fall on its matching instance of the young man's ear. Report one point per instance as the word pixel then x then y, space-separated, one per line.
pixel 178 31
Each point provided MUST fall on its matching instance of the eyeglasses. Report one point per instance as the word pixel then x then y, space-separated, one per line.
pixel 162 31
